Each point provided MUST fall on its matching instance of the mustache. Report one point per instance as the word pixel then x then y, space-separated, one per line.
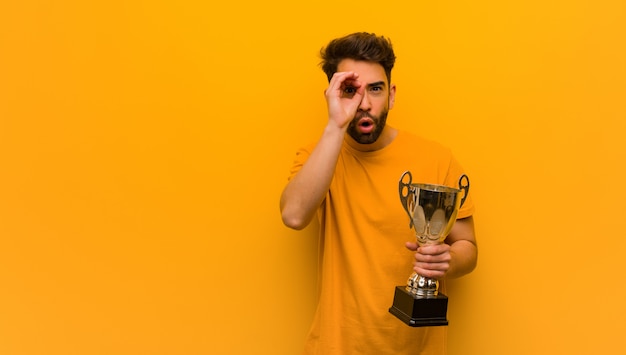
pixel 362 114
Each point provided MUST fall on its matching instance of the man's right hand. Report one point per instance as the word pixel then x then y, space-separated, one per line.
pixel 343 98
pixel 305 192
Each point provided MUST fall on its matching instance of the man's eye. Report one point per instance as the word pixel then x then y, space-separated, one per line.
pixel 349 90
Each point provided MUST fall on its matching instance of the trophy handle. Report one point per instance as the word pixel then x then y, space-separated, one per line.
pixel 464 185
pixel 404 194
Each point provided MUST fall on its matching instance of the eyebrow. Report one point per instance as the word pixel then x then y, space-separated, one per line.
pixel 378 83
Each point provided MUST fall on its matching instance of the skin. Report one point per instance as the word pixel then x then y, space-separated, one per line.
pixel 360 89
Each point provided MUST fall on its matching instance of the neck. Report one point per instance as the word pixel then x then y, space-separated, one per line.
pixel 386 137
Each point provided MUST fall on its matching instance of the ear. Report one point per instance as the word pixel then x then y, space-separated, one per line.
pixel 392 95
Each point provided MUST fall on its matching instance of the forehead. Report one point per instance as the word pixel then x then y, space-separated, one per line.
pixel 369 72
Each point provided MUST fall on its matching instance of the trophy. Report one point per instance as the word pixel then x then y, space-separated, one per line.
pixel 432 211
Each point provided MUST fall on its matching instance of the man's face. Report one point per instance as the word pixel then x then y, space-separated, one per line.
pixel 378 98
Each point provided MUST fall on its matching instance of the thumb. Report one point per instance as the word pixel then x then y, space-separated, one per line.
pixel 412 246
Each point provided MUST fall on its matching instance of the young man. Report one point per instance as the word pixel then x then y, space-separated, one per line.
pixel 349 178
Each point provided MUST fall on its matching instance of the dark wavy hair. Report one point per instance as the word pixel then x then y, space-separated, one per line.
pixel 358 46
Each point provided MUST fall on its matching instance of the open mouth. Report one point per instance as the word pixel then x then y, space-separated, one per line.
pixel 365 125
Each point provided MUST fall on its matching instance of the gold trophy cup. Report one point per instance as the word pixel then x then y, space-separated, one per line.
pixel 432 211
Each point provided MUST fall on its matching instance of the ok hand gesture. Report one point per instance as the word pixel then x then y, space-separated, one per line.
pixel 343 97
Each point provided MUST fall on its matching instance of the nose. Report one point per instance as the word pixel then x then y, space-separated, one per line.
pixel 365 103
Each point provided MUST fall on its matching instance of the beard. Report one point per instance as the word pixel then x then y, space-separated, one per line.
pixel 371 137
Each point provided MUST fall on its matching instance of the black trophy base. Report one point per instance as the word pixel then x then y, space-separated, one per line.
pixel 419 312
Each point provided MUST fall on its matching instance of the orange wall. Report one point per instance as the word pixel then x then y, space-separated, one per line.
pixel 144 145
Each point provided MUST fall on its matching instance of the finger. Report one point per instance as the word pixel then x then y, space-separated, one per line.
pixel 435 270
pixel 340 80
pixel 339 77
pixel 412 246
pixel 434 274
pixel 436 249
pixel 432 258
pixel 431 267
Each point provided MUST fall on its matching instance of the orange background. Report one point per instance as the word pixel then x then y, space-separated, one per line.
pixel 144 145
